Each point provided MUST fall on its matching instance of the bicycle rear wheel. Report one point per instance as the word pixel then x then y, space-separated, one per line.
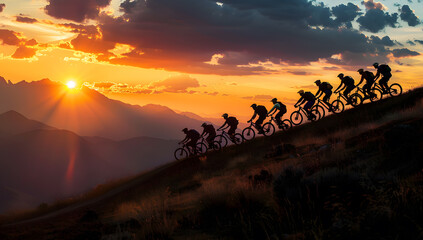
pixel 395 90
pixel 248 133
pixel 316 113
pixel 296 118
pixel 216 145
pixel 268 129
pixel 221 140
pixel 320 110
pixel 201 148
pixel 377 95
pixel 337 106
pixel 180 153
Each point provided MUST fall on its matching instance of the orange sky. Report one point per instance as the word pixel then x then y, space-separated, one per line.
pixel 205 94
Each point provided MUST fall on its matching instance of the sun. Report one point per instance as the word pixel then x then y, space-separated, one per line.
pixel 71 84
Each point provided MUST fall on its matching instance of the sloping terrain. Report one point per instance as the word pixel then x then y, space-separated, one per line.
pixel 356 175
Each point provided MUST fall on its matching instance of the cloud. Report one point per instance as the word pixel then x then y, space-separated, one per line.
pixel 370 4
pixel 262 97
pixel 385 41
pixel 419 41
pixel 104 84
pixel 175 84
pixel 376 20
pixel 411 43
pixel 346 13
pixel 9 37
pixel 89 44
pixel 2 7
pixel 404 52
pixel 24 52
pixel 409 16
pixel 76 10
pixel 300 73
pixel 24 19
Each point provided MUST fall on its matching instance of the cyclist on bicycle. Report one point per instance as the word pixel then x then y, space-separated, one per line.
pixel 282 110
pixel 347 83
pixel 385 71
pixel 261 111
pixel 232 123
pixel 370 79
pixel 310 99
pixel 191 139
pixel 211 133
pixel 326 88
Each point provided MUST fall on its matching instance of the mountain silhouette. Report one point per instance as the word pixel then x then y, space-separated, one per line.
pixel 89 113
pixel 39 163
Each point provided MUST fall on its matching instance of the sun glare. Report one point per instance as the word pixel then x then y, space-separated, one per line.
pixel 71 84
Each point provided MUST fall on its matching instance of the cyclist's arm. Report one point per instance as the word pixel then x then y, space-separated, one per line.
pixel 185 140
pixel 254 115
pixel 318 94
pixel 301 101
pixel 339 87
pixel 221 127
pixel 361 80
pixel 377 75
pixel 271 110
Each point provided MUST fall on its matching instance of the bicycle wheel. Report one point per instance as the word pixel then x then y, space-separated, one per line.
pixel 238 139
pixel 180 153
pixel 268 129
pixel 317 113
pixel 248 133
pixel 296 118
pixel 377 95
pixel 201 148
pixel 216 145
pixel 221 140
pixel 356 99
pixel 337 106
pixel 286 124
pixel 320 110
pixel 395 90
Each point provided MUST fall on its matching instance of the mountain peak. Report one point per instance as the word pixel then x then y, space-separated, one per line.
pixel 12 115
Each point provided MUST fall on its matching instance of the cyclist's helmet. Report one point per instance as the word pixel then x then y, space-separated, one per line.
pixel 376 65
pixel 301 92
pixel 360 70
pixel 185 130
pixel 225 115
pixel 204 124
pixel 253 105
pixel 341 75
pixel 274 100
pixel 317 82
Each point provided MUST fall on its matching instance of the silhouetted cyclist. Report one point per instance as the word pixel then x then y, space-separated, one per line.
pixel 370 79
pixel 326 88
pixel 232 124
pixel 211 133
pixel 310 99
pixel 191 139
pixel 385 71
pixel 261 111
pixel 282 110
pixel 347 83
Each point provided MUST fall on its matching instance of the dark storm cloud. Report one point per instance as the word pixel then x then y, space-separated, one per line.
pixel 376 20
pixel 404 52
pixel 24 19
pixel 2 6
pixel 411 43
pixel 408 16
pixel 76 10
pixel 385 41
pixel 346 13
pixel 419 41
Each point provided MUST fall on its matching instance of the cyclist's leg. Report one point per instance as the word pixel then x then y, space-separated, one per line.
pixel 307 107
pixel 384 83
pixel 210 139
pixel 259 122
pixel 278 118
pixel 231 132
pixel 346 92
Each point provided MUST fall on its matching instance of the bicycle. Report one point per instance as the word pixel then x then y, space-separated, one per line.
pixel 215 144
pixel 320 107
pixel 377 94
pixel 248 133
pixel 269 128
pixel 394 90
pixel 297 118
pixel 185 151
pixel 222 138
pixel 338 106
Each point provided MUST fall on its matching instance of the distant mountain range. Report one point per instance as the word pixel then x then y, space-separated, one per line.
pixel 89 113
pixel 39 163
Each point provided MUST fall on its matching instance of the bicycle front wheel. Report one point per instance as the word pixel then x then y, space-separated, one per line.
pixel 221 140
pixel 180 153
pixel 337 106
pixel 286 124
pixel 201 148
pixel 376 96
pixel 296 118
pixel 395 90
pixel 356 99
pixel 268 129
pixel 248 133
pixel 238 139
